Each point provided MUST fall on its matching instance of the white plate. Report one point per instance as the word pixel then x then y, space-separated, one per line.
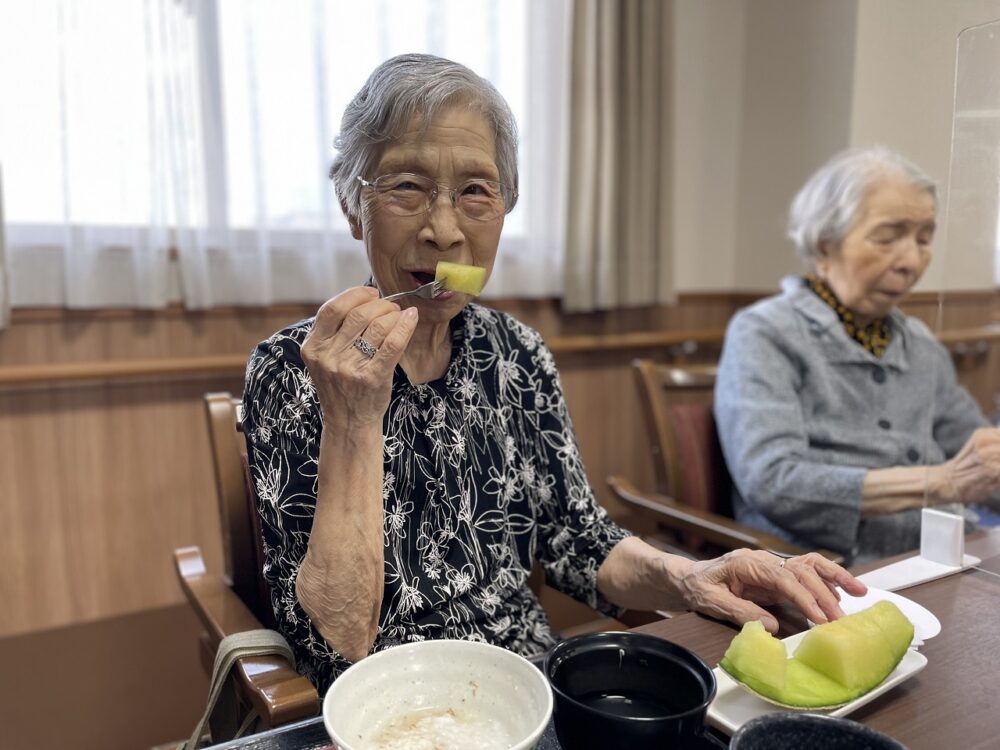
pixel 733 705
pixel 925 624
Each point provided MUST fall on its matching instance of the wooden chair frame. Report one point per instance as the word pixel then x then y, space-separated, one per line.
pixel 653 381
pixel 230 602
pixel 663 508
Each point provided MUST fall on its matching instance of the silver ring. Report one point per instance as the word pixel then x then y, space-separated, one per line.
pixel 365 347
pixel 783 561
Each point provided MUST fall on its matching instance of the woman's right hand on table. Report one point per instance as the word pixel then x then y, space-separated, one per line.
pixel 353 388
pixel 973 473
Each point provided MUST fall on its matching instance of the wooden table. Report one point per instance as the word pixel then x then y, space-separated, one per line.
pixel 954 702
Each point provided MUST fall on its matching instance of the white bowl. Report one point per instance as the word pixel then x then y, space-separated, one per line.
pixel 493 696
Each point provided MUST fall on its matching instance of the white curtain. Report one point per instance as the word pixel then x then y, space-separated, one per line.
pixel 206 126
pixel 94 149
pixel 619 250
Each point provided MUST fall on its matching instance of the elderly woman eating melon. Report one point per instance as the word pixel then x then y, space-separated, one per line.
pixel 414 457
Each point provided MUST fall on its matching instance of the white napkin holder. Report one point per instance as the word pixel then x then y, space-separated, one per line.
pixel 942 552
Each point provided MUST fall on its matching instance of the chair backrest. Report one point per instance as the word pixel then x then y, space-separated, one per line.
pixel 241 537
pixel 684 444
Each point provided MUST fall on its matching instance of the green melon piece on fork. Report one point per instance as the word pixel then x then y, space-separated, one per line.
pixel 458 277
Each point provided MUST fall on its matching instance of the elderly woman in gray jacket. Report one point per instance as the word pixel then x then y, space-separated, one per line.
pixel 839 416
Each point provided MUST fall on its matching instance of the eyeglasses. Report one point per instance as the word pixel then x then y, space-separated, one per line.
pixel 413 194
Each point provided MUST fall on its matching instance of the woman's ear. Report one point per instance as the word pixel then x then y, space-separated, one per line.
pixel 355 225
pixel 353 221
pixel 821 259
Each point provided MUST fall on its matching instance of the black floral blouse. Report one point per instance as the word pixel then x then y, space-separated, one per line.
pixel 482 476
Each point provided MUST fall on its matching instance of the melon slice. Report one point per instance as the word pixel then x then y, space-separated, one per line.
pixel 458 277
pixel 832 649
pixel 835 662
pixel 811 689
pixel 758 659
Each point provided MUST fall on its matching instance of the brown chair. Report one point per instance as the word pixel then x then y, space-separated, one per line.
pixel 691 510
pixel 236 600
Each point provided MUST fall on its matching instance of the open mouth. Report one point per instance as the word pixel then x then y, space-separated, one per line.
pixel 421 278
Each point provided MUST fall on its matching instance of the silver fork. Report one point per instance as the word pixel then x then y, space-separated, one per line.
pixel 429 290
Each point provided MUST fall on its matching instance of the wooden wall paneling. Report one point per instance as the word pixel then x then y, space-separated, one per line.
pixel 99 483
pixel 85 446
pixel 605 410
pixel 52 336
pixel 34 558
pixel 978 371
pixel 960 309
pixel 123 683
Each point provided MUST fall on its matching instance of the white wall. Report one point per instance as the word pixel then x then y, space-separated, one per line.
pixel 796 112
pixel 767 90
pixel 707 118
pixel 762 94
pixel 904 84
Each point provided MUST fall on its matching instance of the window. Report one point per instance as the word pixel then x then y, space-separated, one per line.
pixel 207 126
pixel 309 64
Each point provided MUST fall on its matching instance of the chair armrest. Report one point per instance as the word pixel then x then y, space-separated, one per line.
pixel 279 694
pixel 719 530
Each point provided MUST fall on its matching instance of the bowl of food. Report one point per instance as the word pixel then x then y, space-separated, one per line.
pixel 629 690
pixel 794 730
pixel 439 694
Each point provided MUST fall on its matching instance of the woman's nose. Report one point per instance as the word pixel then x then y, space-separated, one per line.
pixel 911 255
pixel 441 223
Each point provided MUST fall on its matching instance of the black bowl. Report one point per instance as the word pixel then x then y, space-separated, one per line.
pixel 627 690
pixel 793 730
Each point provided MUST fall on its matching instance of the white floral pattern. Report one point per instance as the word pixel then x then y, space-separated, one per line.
pixel 482 476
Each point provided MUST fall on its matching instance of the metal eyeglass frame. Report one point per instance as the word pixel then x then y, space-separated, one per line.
pixel 440 187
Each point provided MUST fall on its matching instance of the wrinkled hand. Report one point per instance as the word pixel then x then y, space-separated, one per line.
pixel 974 472
pixel 351 387
pixel 733 587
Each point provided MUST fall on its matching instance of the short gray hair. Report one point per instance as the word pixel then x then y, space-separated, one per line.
pixel 827 206
pixel 398 89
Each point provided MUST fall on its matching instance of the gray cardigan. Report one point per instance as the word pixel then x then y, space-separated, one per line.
pixel 804 412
